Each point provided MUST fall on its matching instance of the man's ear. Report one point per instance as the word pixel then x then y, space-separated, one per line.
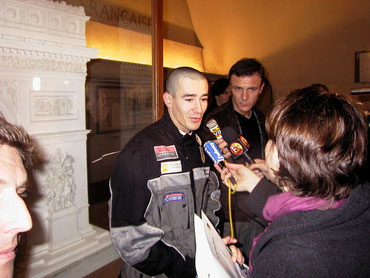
pixel 167 99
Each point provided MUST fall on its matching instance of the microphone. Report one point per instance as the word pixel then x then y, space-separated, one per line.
pixel 238 146
pixel 214 128
pixel 215 154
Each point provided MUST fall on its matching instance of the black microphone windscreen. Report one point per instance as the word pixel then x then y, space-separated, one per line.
pixel 237 145
pixel 229 134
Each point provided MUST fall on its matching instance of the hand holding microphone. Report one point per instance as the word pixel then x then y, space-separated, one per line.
pixel 231 144
pixel 247 179
pixel 215 154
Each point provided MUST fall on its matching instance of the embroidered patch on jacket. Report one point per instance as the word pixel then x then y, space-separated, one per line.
pixel 171 167
pixel 173 197
pixel 165 152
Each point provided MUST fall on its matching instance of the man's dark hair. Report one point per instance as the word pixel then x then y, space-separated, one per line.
pixel 219 87
pixel 247 67
pixel 15 136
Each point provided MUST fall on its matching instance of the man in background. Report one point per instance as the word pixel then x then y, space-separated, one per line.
pixel 16 152
pixel 219 94
pixel 160 179
pixel 247 82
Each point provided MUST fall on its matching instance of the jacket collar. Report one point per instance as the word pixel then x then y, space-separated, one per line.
pixel 188 139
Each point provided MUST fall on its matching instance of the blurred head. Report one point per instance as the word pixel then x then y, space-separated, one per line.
pixel 246 80
pixel 186 98
pixel 320 139
pixel 320 87
pixel 16 152
pixel 221 91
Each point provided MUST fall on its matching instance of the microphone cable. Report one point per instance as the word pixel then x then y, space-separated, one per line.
pixel 231 190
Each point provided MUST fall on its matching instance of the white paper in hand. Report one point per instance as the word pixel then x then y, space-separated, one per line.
pixel 212 257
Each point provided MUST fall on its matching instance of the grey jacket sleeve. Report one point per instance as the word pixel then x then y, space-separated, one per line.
pixel 138 243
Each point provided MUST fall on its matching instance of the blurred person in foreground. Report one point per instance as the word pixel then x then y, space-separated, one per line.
pixel 319 226
pixel 16 152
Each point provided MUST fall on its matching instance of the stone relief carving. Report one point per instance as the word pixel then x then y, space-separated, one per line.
pixel 42 64
pixel 59 185
pixel 53 106
pixel 9 91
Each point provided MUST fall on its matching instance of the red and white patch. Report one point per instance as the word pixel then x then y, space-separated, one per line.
pixel 165 152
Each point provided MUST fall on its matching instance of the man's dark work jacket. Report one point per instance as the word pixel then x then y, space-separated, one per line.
pixel 159 181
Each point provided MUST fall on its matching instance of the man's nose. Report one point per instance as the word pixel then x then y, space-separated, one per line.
pixel 245 95
pixel 197 106
pixel 17 218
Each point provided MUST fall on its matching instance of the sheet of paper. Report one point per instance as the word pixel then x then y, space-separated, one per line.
pixel 212 258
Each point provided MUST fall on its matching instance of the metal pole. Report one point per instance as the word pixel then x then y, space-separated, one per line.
pixel 157 59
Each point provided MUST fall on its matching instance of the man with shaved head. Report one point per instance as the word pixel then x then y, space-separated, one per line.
pixel 161 178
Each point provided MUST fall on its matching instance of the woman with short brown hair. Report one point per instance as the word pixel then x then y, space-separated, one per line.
pixel 319 226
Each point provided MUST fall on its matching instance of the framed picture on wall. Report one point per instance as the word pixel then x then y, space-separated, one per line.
pixel 111 116
pixel 362 67
pixel 362 96
pixel 123 107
